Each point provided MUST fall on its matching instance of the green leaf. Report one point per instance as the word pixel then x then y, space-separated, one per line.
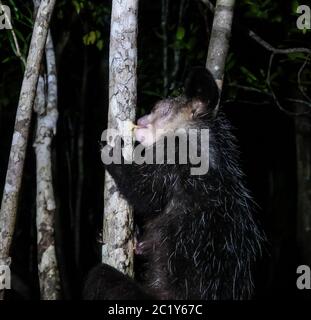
pixel 295 5
pixel 180 34
pixel 250 77
pixel 230 62
pixel 89 38
pixel 98 34
pixel 300 56
pixel 7 59
pixel 190 44
pixel 100 45
pixel 151 93
pixel 77 6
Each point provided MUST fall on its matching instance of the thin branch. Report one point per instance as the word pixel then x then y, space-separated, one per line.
pixel 274 51
pixel 17 50
pixel 47 114
pixel 247 88
pixel 80 160
pixel 249 102
pixel 301 88
pixel 209 5
pixel 177 50
pixel 270 48
pixel 306 103
pixel 203 11
pixel 165 7
pixel 275 98
pixel 21 129
pixel 261 41
pixel 255 90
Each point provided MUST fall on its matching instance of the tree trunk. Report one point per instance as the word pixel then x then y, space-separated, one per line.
pixel 118 219
pixel 46 109
pixel 219 42
pixel 21 129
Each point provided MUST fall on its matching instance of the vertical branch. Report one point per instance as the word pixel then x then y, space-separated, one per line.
pixel 80 147
pixel 21 128
pixel 46 109
pixel 17 50
pixel 219 42
pixel 177 50
pixel 118 219
pixel 209 5
pixel 165 6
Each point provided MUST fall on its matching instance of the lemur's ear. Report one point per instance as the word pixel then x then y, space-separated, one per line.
pixel 200 85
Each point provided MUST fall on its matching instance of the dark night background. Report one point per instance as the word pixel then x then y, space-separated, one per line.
pixel 267 135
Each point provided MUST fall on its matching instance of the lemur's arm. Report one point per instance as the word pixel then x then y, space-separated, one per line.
pixel 143 185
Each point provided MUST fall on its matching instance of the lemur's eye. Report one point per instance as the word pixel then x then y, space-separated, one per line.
pixel 164 110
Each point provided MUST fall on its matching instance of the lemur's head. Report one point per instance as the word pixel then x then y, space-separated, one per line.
pixel 200 97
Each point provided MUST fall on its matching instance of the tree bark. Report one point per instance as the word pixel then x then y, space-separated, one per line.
pixel 21 129
pixel 118 219
pixel 46 109
pixel 219 42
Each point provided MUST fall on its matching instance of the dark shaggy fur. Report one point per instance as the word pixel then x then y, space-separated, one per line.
pixel 199 236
